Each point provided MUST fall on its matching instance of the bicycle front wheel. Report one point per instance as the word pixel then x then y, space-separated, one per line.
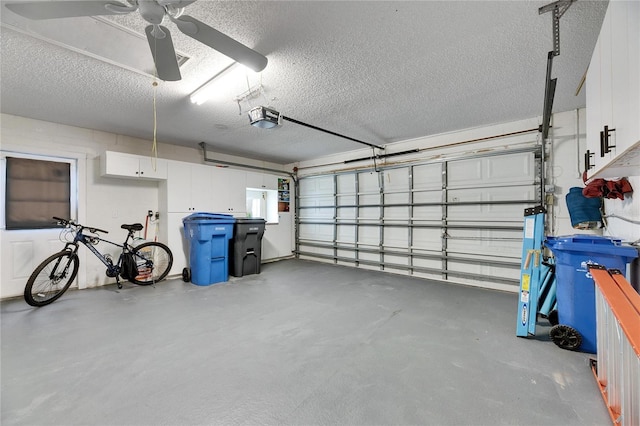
pixel 51 278
pixel 154 263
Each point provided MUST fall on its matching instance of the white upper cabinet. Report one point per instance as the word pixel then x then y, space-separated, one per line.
pixel 229 191
pixel 118 164
pixel 189 188
pixel 613 92
pixel 259 180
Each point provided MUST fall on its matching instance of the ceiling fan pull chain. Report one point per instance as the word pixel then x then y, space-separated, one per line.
pixel 154 146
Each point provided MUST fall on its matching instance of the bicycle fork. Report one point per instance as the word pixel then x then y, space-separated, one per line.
pixel 57 276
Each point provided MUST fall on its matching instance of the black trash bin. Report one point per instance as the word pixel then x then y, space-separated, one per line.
pixel 246 247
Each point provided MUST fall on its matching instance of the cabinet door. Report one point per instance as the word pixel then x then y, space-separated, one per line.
pixel 237 194
pixel 120 165
pixel 613 86
pixel 254 180
pixel 633 28
pixel 620 99
pixel 153 168
pixel 229 191
pixel 179 187
pixel 276 241
pixel 594 114
pixel 625 73
pixel 259 180
pixel 175 240
pixel 270 181
pixel 200 188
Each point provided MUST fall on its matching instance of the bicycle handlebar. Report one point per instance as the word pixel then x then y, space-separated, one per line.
pixel 70 222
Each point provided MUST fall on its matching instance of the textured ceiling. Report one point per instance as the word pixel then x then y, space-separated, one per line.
pixel 375 71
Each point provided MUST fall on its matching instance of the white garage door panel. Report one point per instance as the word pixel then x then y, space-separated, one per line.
pixel 396 213
pixel 348 254
pixel 396 198
pixel 347 200
pixel 316 232
pixel 396 179
pixel 433 196
pixel 346 233
pixel 396 237
pixel 427 213
pixel 316 201
pixel 488 171
pixel 369 235
pixel 515 168
pixel 390 260
pixel 427 263
pixel 369 198
pixel 427 238
pixel 369 257
pixel 368 182
pixel 316 185
pixel 492 194
pixel 484 241
pixel 428 176
pixel 321 251
pixel 347 213
pixel 316 214
pixel 487 270
pixel 346 184
pixel 489 211
pixel 372 214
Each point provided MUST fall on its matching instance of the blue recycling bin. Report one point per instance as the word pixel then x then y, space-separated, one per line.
pixel 575 292
pixel 208 235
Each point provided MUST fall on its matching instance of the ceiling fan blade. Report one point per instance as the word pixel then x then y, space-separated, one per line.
pixel 164 55
pixel 64 9
pixel 221 42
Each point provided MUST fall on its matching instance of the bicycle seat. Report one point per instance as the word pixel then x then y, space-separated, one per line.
pixel 132 227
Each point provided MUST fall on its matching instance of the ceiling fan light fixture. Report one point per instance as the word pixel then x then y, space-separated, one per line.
pixel 264 118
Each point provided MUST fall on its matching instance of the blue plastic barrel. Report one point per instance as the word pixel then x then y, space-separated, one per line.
pixel 208 235
pixel 575 292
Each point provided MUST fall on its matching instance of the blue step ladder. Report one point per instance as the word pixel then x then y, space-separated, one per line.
pixel 535 277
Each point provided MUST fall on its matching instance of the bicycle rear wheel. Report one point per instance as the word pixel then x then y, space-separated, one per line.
pixel 51 278
pixel 154 263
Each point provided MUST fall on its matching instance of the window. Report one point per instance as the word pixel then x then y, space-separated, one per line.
pixel 263 204
pixel 35 191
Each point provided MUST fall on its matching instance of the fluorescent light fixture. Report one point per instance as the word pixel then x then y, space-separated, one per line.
pixel 208 90
pixel 265 118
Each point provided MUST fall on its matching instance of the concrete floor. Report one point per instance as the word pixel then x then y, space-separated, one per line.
pixel 302 343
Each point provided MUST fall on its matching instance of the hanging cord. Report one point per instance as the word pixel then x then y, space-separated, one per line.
pixel 154 146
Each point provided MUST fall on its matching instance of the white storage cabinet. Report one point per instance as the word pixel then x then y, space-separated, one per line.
pixel 118 164
pixel 613 90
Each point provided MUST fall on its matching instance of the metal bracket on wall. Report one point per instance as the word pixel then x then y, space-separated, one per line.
pixel 558 8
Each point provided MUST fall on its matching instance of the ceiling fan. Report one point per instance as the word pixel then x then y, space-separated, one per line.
pixel 159 37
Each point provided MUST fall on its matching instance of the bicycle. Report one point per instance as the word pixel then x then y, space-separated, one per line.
pixel 144 264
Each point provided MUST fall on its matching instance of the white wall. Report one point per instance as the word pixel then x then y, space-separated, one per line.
pixel 103 202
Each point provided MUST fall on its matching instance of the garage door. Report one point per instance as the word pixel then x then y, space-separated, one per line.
pixel 457 219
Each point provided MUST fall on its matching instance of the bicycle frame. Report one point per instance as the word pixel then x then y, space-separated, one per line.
pixel 89 241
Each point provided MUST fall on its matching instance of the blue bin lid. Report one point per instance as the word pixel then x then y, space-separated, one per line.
pixel 591 243
pixel 199 217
